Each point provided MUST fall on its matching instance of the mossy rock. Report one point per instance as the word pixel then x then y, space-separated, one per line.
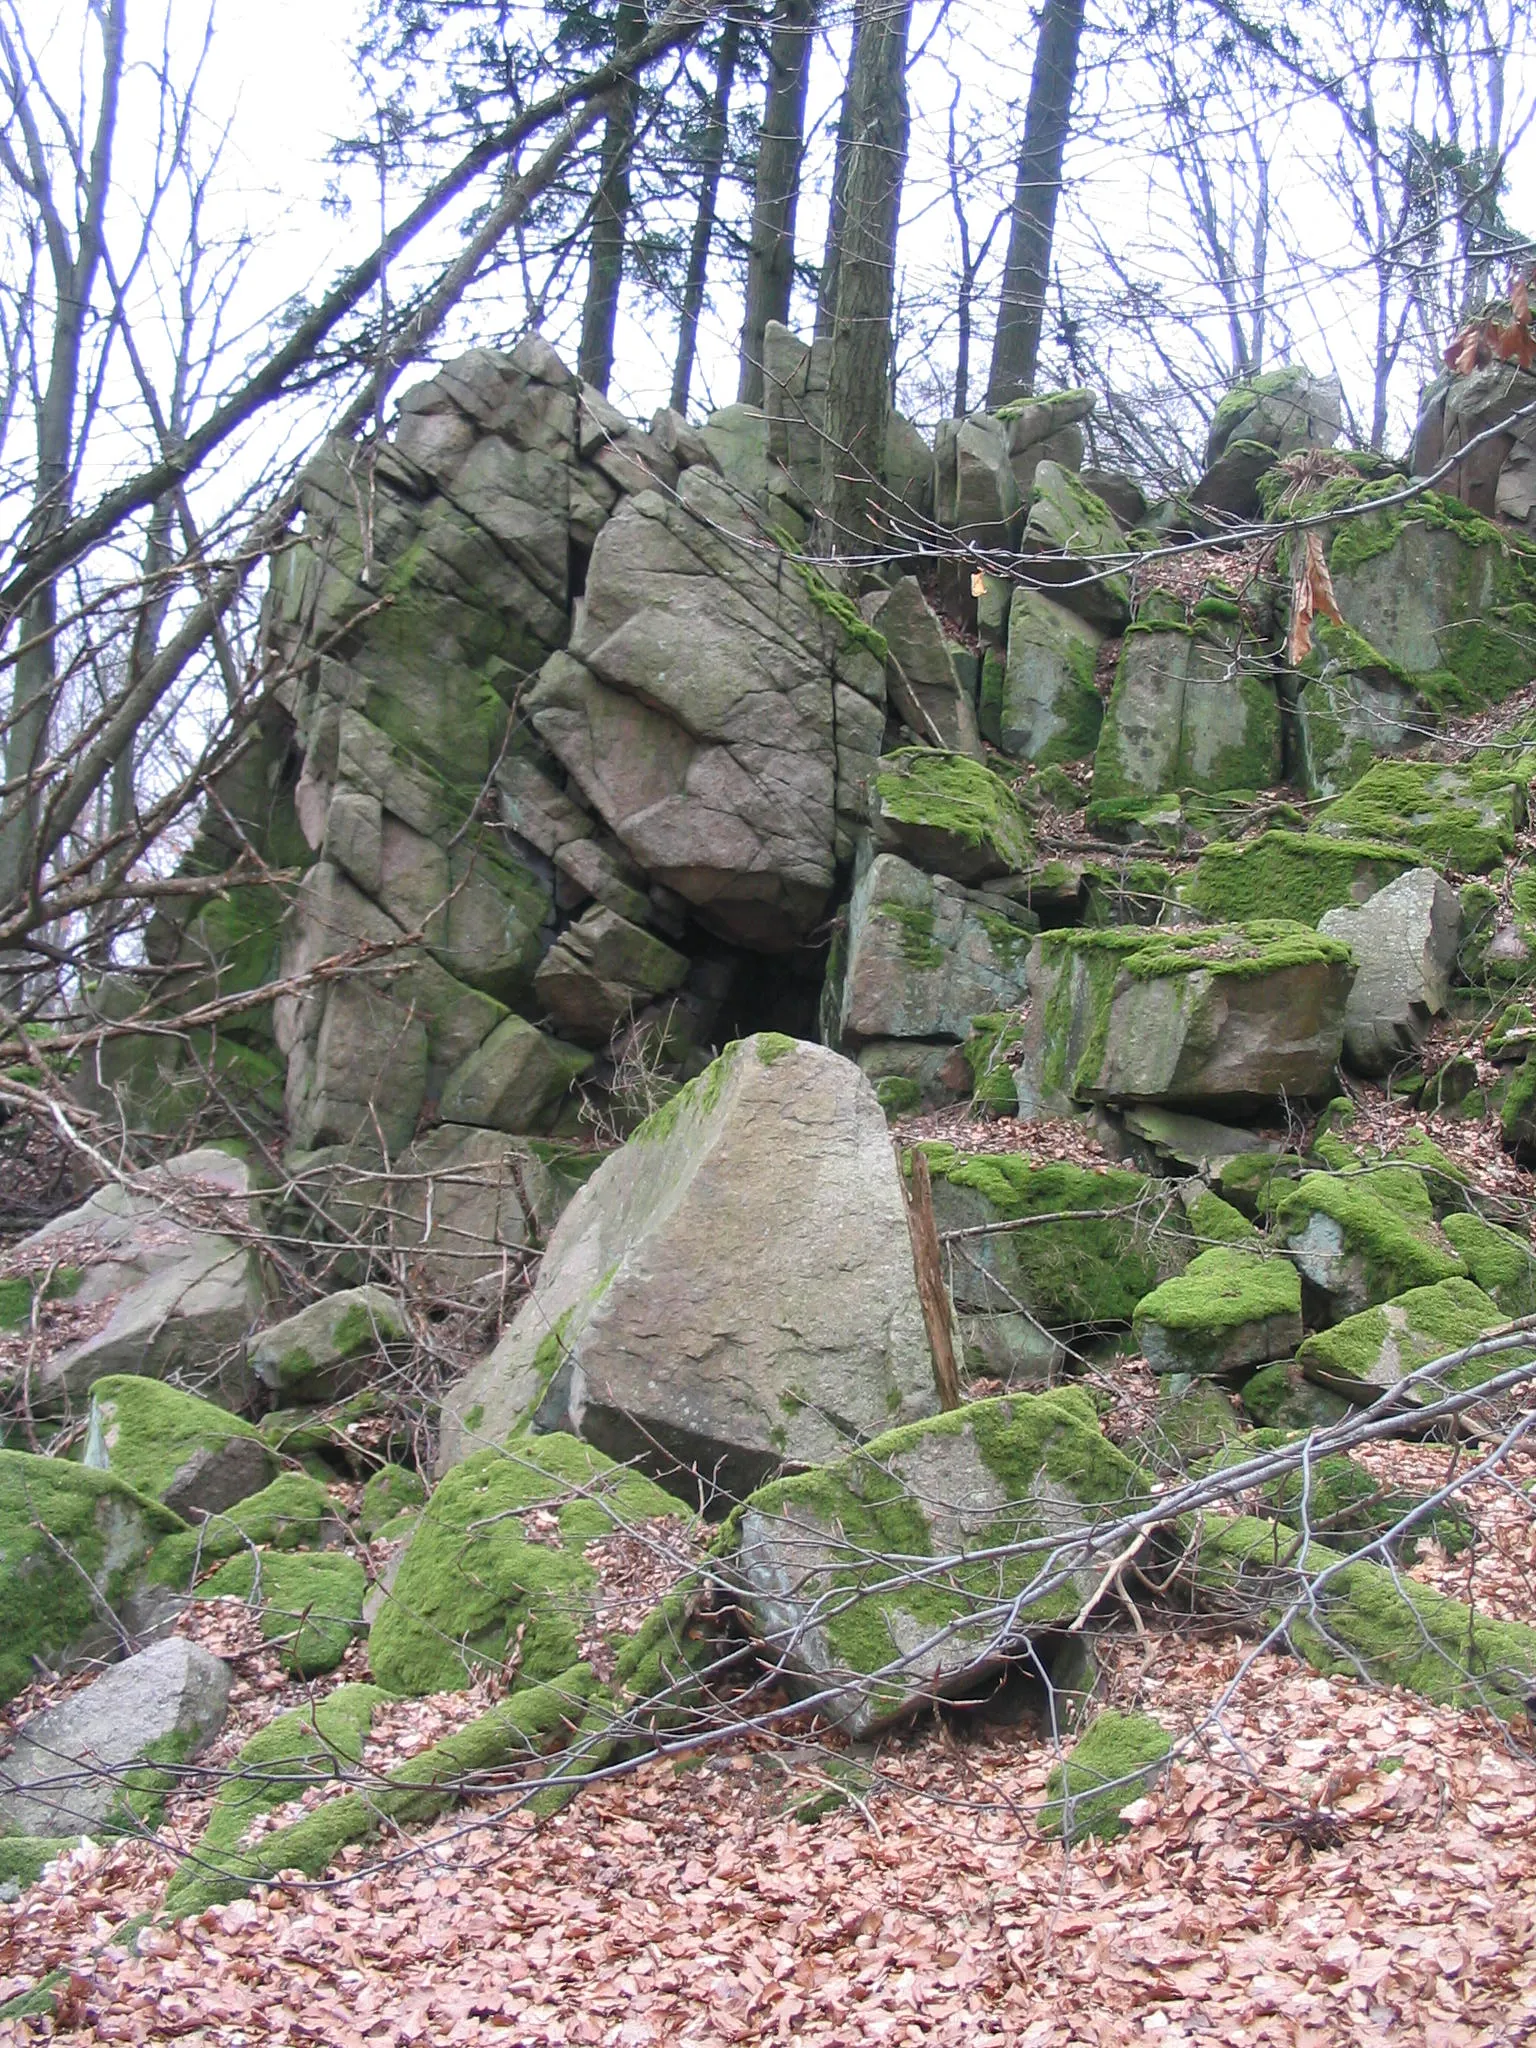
pixel 816 1551
pixel 1230 1308
pixel 1255 1182
pixel 498 1561
pixel 951 815
pixel 290 1514
pixel 994 1088
pixel 1086 1272
pixel 394 1490
pixel 23 1858
pixel 1346 1506
pixel 1381 1346
pixel 173 1446
pixel 1213 1221
pixel 1298 875
pixel 1501 1263
pixel 1117 1758
pixel 311 1602
pixel 1280 1397
pixel 331 1348
pixel 1460 818
pixel 1362 1239
pixel 74 1543
pixel 1194 1418
pixel 1354 1618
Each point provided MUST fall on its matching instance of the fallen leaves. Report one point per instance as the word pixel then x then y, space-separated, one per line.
pixel 1500 335
pixel 1311 595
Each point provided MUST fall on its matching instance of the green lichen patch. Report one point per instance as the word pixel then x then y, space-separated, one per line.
pixel 1085 1271
pixel 1118 1757
pixel 1382 1345
pixel 499 1559
pixel 311 1602
pixel 287 1515
pixel 1502 1264
pixel 931 798
pixel 1292 875
pixel 73 1542
pixel 1461 818
pixel 1211 1317
pixel 148 1433
pixel 1352 1616
pixel 899 1096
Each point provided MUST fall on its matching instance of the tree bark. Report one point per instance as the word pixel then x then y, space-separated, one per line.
pixel 826 291
pixel 780 150
pixel 859 384
pixel 712 157
pixel 610 214
pixel 1026 272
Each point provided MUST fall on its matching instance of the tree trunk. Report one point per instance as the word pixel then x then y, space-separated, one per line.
pixel 1026 272
pixel 858 390
pixel 711 158
pixel 826 291
pixel 610 214
pixel 781 146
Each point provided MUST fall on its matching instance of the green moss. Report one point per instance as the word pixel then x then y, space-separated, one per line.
pixel 994 1089
pixel 475 1580
pixel 1397 1250
pixel 1243 951
pixel 697 1098
pixel 286 1515
pixel 71 1540
pixel 1346 1506
pixel 989 715
pixel 1242 398
pixel 914 934
pixel 771 1046
pixel 1278 1397
pixel 147 1432
pixel 898 1096
pixel 1221 1290
pixel 1458 817
pixel 476 1415
pixel 1213 1220
pixel 840 609
pixel 1366 1618
pixel 311 1602
pixel 24 1857
pixel 1382 1344
pixel 1291 874
pixel 392 1491
pixel 516 1732
pixel 1255 1181
pixel 1501 1264
pixel 1081 1273
pixel 952 795
pixel 1118 1757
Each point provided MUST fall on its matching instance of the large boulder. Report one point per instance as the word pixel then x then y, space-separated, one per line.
pixel 1460 422
pixel 721 708
pixel 871 1643
pixel 92 1759
pixel 950 815
pixel 176 1295
pixel 1362 1238
pixel 1275 413
pixel 75 1545
pixel 334 1347
pixel 1370 1352
pixel 187 1454
pixel 1043 703
pixel 1405 940
pixel 733 1288
pixel 1073 541
pixel 1458 815
pixel 519 1079
pixel 976 494
pixel 922 957
pixel 1220 1018
pixel 1230 1308
pixel 601 971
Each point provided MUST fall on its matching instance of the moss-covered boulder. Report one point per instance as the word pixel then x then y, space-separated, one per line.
pixel 1113 1239
pixel 332 1348
pixel 1069 532
pixel 1230 1308
pixel 1502 1264
pixel 182 1451
pixel 1347 1507
pixel 1291 874
pixel 856 1577
pixel 1193 706
pixel 1369 1353
pixel 390 1493
pixel 1458 817
pixel 922 956
pixel 1281 1397
pixel 310 1602
pixel 75 1545
pixel 1042 704
pixel 1363 1238
pixel 950 815
pixel 293 1513
pixel 1224 1018
pixel 731 1289
pixel 1117 1757
pixel 1354 706
pixel 1352 1616
pixel 506 1561
pixel 1260 419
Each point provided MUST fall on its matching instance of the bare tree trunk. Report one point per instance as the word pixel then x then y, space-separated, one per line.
pixel 610 217
pixel 711 160
pixel 74 275
pixel 858 389
pixel 826 292
pixel 780 149
pixel 1026 272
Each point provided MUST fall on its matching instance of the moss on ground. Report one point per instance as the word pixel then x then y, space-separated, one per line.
pixel 1346 1506
pixel 1116 1759
pixel 311 1602
pixel 1381 1345
pixel 72 1542
pixel 287 1515
pixel 477 1581
pixel 958 797
pixel 147 1432
pixel 1077 1273
pixel 1297 875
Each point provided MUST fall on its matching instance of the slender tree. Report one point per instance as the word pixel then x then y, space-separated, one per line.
pixel 826 291
pixel 610 212
pixel 711 161
pixel 859 379
pixel 776 192
pixel 1037 185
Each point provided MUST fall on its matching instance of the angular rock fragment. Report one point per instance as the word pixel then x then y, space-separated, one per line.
pixel 192 1457
pixel 1230 1308
pixel 334 1347
pixel 1404 940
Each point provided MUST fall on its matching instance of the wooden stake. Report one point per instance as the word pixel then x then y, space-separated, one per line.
pixel 931 1291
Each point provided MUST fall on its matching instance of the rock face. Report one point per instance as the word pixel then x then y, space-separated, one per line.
pixel 1226 1017
pixel 1042 705
pixel 734 1287
pixel 815 1549
pixel 717 711
pixel 192 1457
pixel 1193 707
pixel 1071 536
pixel 1405 940
pixel 78 1763
pixel 178 1297
pixel 921 665
pixel 923 957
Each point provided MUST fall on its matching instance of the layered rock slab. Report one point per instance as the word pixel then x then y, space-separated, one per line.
pixel 733 1288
